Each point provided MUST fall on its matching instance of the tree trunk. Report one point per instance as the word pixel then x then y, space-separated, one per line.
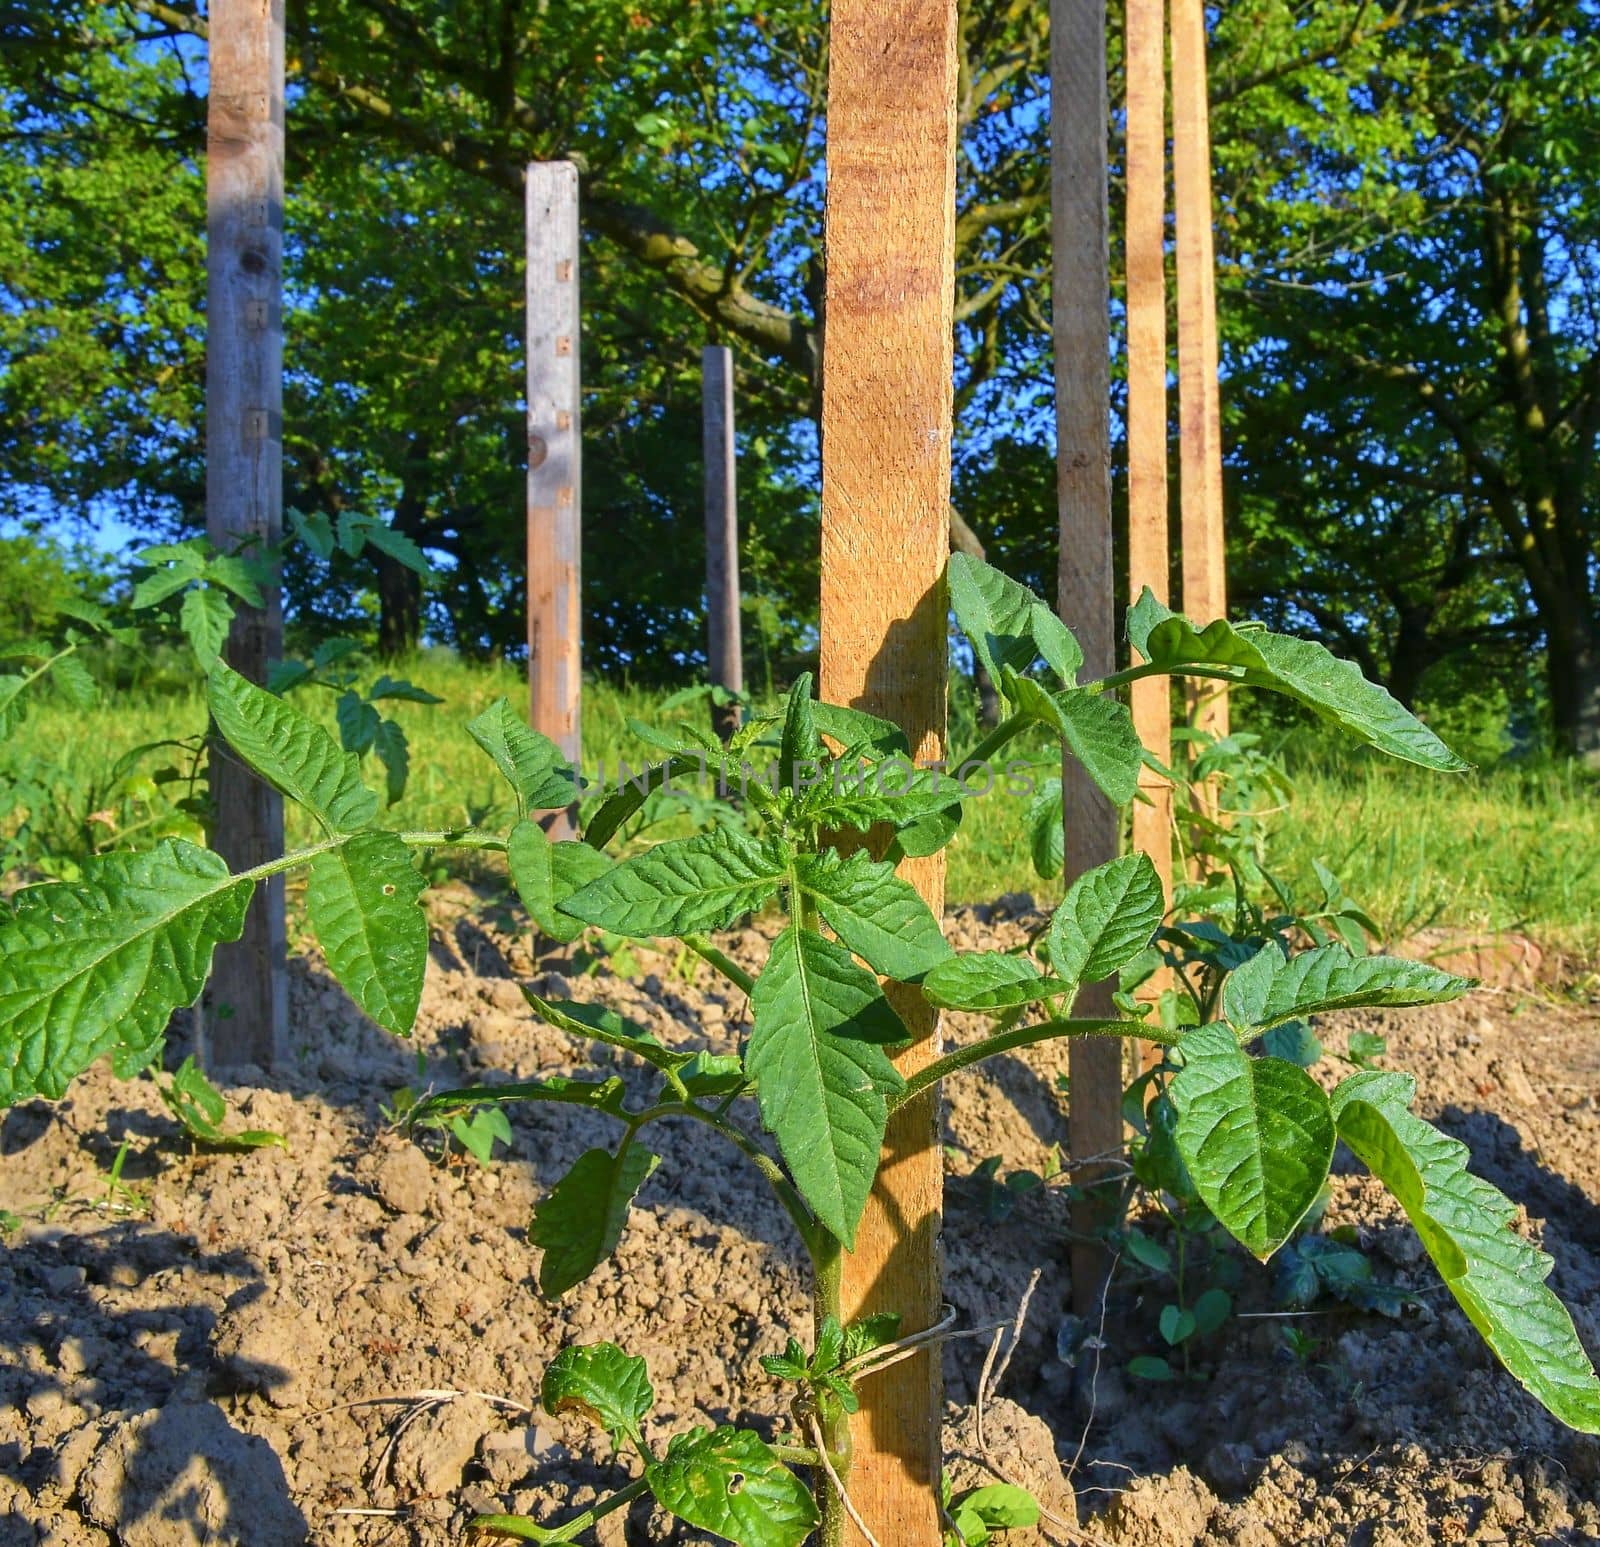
pixel 1574 667
pixel 399 607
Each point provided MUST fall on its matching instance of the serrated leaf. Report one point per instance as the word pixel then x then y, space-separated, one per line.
pixel 1299 668
pixel 237 575
pixel 580 1221
pixel 205 618
pixel 1046 832
pixel 156 588
pixel 397 687
pixel 856 728
pixel 315 531
pixel 74 682
pixel 1294 1042
pixel 1006 624
pixel 821 1075
pixel 1109 915
pixel 284 676
pixel 1256 1135
pixel 891 791
pixel 358 722
pixel 1497 1277
pixel 599 1095
pixel 200 1109
pixel 98 965
pixel 397 546
pixel 1270 989
pixel 1002 1506
pixel 540 777
pixel 290 751
pixel 616 809
pixel 876 913
pixel 728 1481
pixel 800 742
pixel 361 901
pixel 870 1332
pixel 1098 732
pixel 546 874
pixel 701 883
pixel 601 1384
pixel 987 980
pixel 394 752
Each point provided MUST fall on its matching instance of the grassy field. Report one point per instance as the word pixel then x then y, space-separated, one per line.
pixel 1502 848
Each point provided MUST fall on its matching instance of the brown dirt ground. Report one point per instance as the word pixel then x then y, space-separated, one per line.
pixel 225 1355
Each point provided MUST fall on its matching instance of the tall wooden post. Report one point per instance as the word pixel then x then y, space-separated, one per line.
pixel 244 1018
pixel 886 405
pixel 555 523
pixel 1145 173
pixel 1205 584
pixel 1085 581
pixel 724 648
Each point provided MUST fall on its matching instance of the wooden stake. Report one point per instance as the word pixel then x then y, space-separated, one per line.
pixel 1085 581
pixel 724 649
pixel 886 404
pixel 1205 585
pixel 555 523
pixel 1148 561
pixel 244 1018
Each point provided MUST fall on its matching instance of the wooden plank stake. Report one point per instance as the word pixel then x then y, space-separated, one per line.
pixel 244 1017
pixel 1145 172
pixel 886 404
pixel 1085 581
pixel 724 648
pixel 1205 585
pixel 555 523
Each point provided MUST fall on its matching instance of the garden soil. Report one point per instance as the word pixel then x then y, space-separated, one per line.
pixel 245 1349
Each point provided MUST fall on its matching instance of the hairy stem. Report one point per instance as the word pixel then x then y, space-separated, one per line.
pixel 729 968
pixel 1024 1036
pixel 527 1530
pixel 827 1262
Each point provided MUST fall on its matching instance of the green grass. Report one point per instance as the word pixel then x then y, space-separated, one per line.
pixel 1508 847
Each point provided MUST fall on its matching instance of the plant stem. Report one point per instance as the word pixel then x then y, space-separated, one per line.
pixel 1024 1036
pixel 827 1263
pixel 730 969
pixel 527 1530
pixel 1134 673
pixel 1005 731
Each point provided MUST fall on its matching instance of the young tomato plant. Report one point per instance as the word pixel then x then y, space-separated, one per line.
pixel 96 967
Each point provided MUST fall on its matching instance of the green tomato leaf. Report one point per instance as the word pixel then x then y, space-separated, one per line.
pixel 691 884
pixel 1270 989
pixel 205 618
pixel 1046 833
pixel 1303 670
pixel 599 1095
pixel 540 777
pixel 857 728
pixel 800 742
pixel 1001 1506
pixel 98 965
pixel 987 980
pixel 546 874
pixel 602 1385
pixel 878 915
pixel 358 722
pixel 1211 1309
pixel 1007 625
pixel 821 1075
pixel 580 1221
pixel 395 754
pixel 1256 1135
pixel 1109 915
pixel 397 687
pixel 1497 1277
pixel 1098 732
pixel 616 810
pixel 727 1481
pixel 74 682
pixel 290 752
pixel 200 1108
pixel 892 791
pixel 361 901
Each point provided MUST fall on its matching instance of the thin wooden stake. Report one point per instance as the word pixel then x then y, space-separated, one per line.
pixel 1145 171
pixel 1085 581
pixel 886 404
pixel 244 1018
pixel 1205 584
pixel 724 648
pixel 555 522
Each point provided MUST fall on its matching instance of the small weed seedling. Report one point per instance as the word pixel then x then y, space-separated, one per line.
pixel 95 968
